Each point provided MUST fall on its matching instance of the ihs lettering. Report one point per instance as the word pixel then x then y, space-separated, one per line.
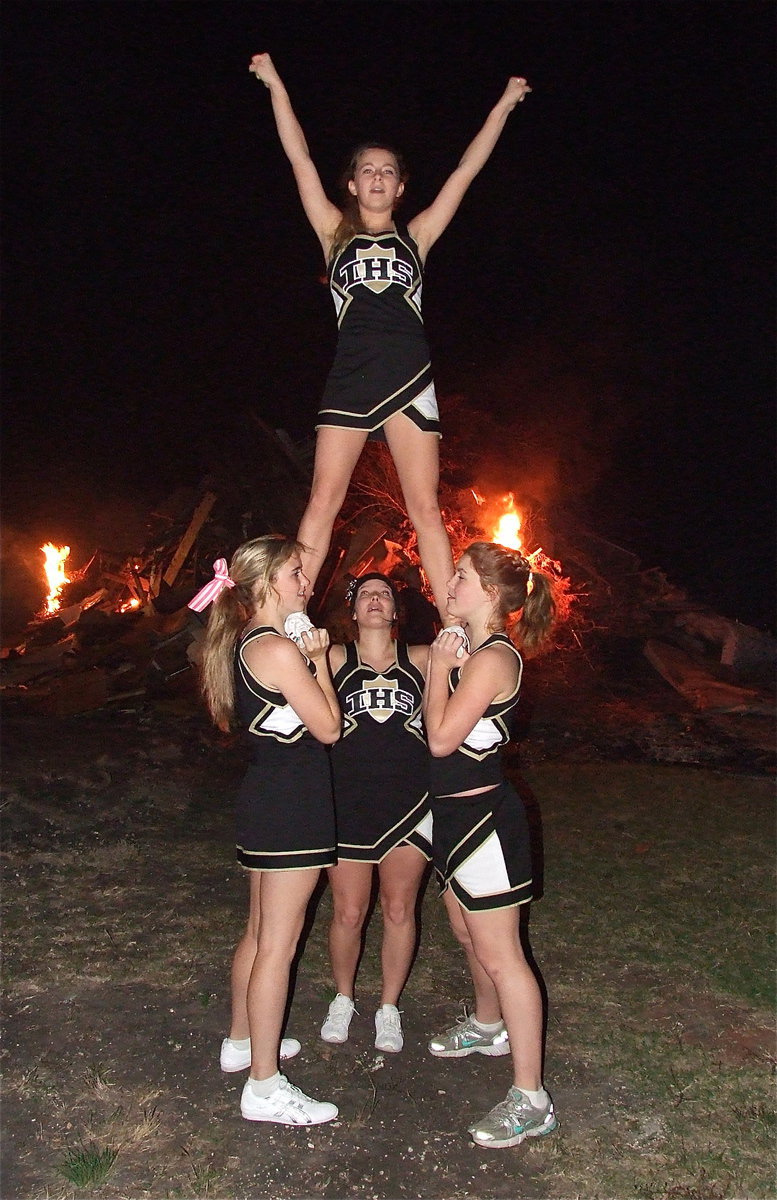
pixel 376 699
pixel 375 270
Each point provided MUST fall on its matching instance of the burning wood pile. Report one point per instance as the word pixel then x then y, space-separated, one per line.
pixel 115 630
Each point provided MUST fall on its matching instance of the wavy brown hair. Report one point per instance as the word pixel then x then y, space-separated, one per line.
pixel 519 588
pixel 253 569
pixel 351 223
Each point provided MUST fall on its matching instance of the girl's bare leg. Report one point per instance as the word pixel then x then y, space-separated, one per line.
pixel 400 875
pixel 243 961
pixel 337 453
pixel 487 1006
pixel 417 458
pixel 497 947
pixel 279 900
pixel 351 884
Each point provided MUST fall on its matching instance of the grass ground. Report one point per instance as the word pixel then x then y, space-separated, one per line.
pixel 654 939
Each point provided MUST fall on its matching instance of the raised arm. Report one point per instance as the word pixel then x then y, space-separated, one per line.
pixel 429 224
pixel 323 215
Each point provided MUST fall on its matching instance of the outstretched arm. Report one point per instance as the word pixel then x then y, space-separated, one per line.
pixel 429 224
pixel 322 214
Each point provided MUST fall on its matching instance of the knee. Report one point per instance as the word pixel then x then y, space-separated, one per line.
pixel 496 965
pixel 424 511
pixel 349 916
pixel 463 938
pixel 278 953
pixel 396 910
pixel 326 499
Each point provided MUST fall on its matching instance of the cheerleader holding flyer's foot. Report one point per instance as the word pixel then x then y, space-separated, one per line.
pixel 480 835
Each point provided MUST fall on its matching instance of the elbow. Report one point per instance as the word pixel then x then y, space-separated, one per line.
pixel 439 747
pixel 330 736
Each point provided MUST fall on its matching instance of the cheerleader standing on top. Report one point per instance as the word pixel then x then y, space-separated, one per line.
pixel 381 383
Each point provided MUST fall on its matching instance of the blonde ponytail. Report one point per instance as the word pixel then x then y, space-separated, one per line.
pixel 253 569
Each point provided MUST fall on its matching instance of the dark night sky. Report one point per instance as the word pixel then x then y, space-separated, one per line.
pixel 160 277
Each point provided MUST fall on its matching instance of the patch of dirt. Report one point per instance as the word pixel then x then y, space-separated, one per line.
pixel 726 1030
pixel 119 823
pixel 117 832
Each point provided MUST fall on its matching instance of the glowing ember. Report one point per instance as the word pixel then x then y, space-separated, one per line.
pixel 478 498
pixel 128 605
pixel 507 529
pixel 56 576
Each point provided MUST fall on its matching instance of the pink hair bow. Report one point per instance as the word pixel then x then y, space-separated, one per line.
pixel 206 595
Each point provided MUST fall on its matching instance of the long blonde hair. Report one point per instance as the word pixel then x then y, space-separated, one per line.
pixel 351 222
pixel 253 570
pixel 519 588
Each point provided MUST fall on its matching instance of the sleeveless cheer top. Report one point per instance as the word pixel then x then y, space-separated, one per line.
pixel 264 712
pixel 382 734
pixel 382 362
pixel 478 760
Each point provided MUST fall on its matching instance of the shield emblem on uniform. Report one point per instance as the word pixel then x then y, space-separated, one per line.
pixel 380 707
pixel 376 251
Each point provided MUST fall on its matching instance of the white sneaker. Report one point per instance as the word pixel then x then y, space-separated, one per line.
pixel 295 625
pixel 234 1059
pixel 459 629
pixel 287 1105
pixel 388 1029
pixel 335 1027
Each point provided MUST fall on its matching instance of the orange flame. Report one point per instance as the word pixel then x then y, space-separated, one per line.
pixel 507 529
pixel 56 576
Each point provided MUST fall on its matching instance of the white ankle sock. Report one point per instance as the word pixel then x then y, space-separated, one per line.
pixel 240 1043
pixel 265 1087
pixel 494 1028
pixel 537 1099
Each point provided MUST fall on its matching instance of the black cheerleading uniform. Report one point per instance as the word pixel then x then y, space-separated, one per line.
pixel 382 363
pixel 380 765
pixel 481 843
pixel 285 814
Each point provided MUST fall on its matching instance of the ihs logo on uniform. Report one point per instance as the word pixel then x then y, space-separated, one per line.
pixel 377 267
pixel 379 698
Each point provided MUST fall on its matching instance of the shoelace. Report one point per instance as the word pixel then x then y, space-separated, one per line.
pixel 342 1009
pixel 463 1026
pixel 516 1111
pixel 293 1097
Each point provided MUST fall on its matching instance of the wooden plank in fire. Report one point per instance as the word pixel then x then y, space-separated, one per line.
pixel 199 517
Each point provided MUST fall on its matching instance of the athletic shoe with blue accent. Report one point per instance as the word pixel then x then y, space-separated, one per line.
pixel 514 1119
pixel 465 1037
